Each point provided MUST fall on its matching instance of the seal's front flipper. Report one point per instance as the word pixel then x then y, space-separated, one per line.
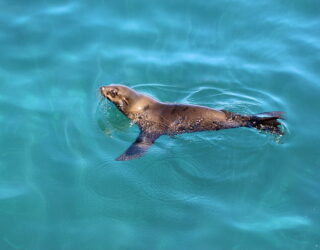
pixel 141 144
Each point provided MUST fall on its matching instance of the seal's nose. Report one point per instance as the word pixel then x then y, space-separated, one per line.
pixel 103 90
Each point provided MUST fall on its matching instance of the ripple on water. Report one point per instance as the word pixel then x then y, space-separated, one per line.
pixel 180 177
pixel 61 9
pixel 11 190
pixel 272 223
pixel 160 180
pixel 163 182
pixel 121 182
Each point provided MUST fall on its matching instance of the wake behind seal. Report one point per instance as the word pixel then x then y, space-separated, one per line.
pixel 155 118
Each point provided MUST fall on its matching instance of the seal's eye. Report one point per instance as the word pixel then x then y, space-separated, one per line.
pixel 113 93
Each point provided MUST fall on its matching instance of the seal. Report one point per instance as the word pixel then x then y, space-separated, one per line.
pixel 156 118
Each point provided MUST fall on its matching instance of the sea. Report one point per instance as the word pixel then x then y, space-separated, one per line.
pixel 235 189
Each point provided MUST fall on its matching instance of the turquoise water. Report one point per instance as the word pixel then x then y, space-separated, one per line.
pixel 239 189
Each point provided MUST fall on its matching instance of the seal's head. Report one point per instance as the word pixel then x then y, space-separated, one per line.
pixel 122 96
pixel 126 99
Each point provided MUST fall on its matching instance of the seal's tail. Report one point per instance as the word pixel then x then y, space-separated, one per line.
pixel 267 121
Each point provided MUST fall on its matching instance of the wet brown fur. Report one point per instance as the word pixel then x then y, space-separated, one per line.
pixel 155 118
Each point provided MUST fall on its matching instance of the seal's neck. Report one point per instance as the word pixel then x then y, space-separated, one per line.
pixel 140 105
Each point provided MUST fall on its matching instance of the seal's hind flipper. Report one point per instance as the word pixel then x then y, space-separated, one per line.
pixel 141 144
pixel 267 121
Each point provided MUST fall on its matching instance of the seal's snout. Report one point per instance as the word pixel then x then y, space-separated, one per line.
pixel 104 91
pixel 109 92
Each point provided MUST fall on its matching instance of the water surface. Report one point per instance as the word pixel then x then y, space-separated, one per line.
pixel 60 187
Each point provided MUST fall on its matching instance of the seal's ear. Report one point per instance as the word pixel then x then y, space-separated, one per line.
pixel 125 100
pixel 139 147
